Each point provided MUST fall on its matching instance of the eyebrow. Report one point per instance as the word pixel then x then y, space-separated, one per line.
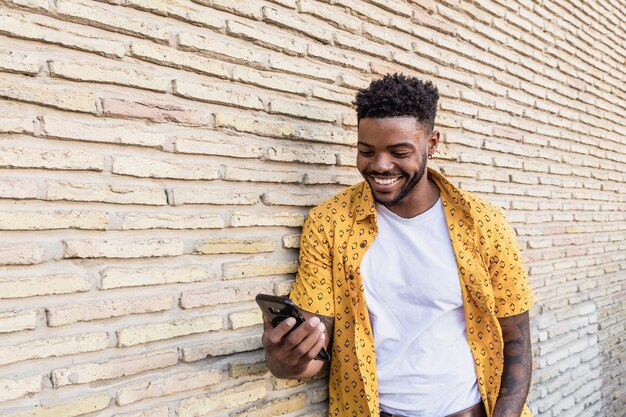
pixel 397 145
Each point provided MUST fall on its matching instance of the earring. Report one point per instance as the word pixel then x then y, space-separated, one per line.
pixel 430 156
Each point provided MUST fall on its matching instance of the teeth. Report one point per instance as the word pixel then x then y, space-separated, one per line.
pixel 385 181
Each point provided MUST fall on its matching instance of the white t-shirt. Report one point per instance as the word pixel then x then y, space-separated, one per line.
pixel 413 295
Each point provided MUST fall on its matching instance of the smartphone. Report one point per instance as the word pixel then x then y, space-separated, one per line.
pixel 277 309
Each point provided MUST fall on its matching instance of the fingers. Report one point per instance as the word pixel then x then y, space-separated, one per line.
pixel 276 334
pixel 302 340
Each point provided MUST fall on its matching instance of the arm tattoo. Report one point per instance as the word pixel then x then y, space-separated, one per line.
pixel 517 366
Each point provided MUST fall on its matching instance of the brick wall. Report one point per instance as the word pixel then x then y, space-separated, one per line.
pixel 159 156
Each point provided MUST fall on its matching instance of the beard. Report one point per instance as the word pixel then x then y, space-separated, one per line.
pixel 408 187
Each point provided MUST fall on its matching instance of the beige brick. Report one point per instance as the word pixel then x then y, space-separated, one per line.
pixel 235 270
pixel 16 188
pixel 360 44
pixel 141 221
pixel 227 346
pixel 276 407
pixel 257 126
pixel 241 219
pixel 135 335
pixel 156 111
pixel 14 321
pixel 245 318
pixel 290 20
pixel 47 220
pixel 182 381
pixel 96 310
pixel 288 198
pixel 283 384
pixel 218 146
pixel 122 248
pixel 230 398
pixel 56 346
pixel 349 158
pixel 21 254
pixel 182 10
pixel 217 93
pixel 322 134
pixel 99 72
pixel 332 93
pixel 18 287
pixel 48 94
pixel 163 411
pixel 303 153
pixel 115 368
pixel 155 168
pixel 256 175
pixel 223 47
pixel 245 9
pixel 291 241
pixel 335 56
pixel 128 133
pixel 60 33
pixel 106 193
pixel 226 245
pixel 291 4
pixel 79 407
pixel 303 68
pixel 15 123
pixel 270 80
pixel 387 36
pixel 108 17
pixel 333 16
pixel 15 60
pixel 354 82
pixel 132 277
pixel 270 39
pixel 218 295
pixel 50 159
pixel 238 369
pixel 331 178
pixel 31 4
pixel 214 197
pixel 12 388
pixel 169 57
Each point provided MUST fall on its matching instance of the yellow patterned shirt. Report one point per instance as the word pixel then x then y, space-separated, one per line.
pixel 334 240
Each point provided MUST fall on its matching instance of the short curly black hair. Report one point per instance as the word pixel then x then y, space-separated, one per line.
pixel 398 95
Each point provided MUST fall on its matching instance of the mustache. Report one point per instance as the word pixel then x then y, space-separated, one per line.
pixel 384 174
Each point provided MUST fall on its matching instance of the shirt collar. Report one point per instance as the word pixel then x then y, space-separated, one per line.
pixel 364 205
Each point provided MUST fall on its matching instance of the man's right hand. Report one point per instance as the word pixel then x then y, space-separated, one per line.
pixel 292 356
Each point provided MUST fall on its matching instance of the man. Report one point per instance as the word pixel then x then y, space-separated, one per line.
pixel 420 284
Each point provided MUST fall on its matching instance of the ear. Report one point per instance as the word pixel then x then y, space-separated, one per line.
pixel 433 142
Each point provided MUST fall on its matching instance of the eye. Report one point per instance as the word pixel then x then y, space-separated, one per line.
pixel 400 154
pixel 364 152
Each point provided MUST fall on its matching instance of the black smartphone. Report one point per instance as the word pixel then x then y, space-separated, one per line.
pixel 277 309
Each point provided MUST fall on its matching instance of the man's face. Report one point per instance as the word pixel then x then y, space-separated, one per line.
pixel 392 156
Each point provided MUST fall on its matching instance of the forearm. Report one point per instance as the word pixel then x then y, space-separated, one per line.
pixel 517 371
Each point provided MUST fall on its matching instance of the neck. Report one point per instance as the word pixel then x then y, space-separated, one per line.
pixel 421 199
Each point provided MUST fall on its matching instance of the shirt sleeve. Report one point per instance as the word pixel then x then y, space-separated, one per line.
pixel 313 289
pixel 512 294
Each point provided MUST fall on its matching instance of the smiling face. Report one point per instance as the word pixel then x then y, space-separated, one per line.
pixel 393 157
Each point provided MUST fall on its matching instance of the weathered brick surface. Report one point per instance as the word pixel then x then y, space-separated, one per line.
pixel 182 381
pixel 135 335
pixel 115 368
pixel 159 157
pixel 57 346
pixel 66 314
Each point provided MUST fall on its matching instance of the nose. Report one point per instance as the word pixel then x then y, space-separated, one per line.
pixel 381 163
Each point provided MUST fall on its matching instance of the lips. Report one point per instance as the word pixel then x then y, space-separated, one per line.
pixel 384 183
